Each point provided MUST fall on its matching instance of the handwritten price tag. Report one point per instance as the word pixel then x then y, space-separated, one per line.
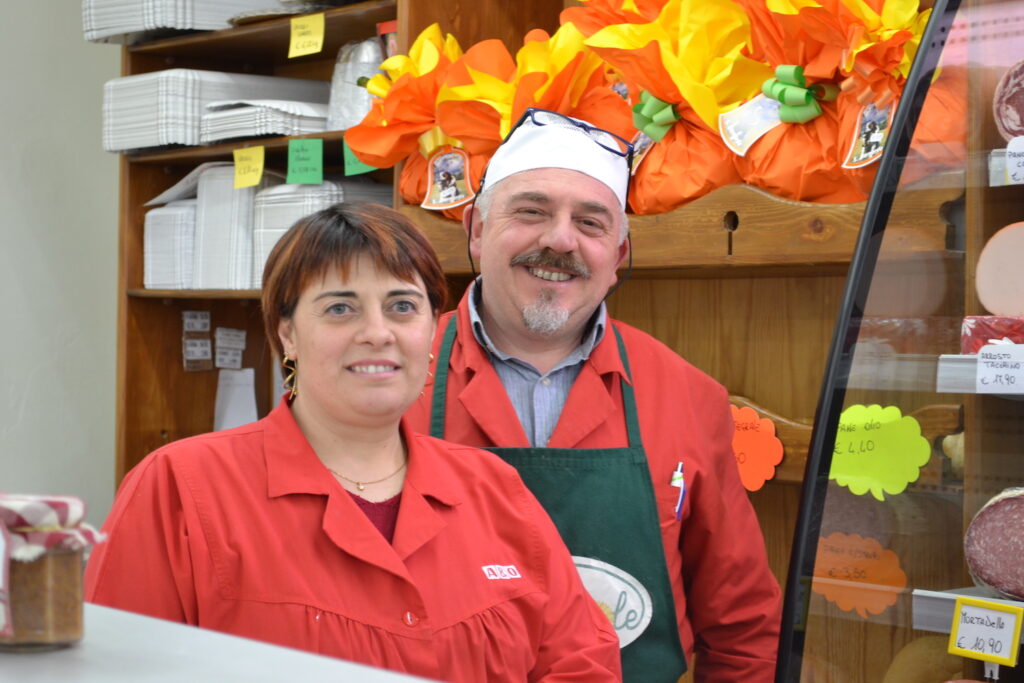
pixel 307 35
pixel 1015 161
pixel 857 574
pixel 1000 369
pixel 878 450
pixel 757 448
pixel 986 630
pixel 248 166
pixel 306 161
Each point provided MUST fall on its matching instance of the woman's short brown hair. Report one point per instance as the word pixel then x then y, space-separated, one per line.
pixel 332 238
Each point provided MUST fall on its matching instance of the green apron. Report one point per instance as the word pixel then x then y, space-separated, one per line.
pixel 602 501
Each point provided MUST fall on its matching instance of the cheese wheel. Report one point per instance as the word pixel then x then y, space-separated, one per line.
pixel 994 544
pixel 1008 102
pixel 999 280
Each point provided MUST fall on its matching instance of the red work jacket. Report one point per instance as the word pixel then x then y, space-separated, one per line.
pixel 246 532
pixel 728 603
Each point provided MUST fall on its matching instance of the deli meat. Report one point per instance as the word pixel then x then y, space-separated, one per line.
pixel 994 544
pixel 1008 103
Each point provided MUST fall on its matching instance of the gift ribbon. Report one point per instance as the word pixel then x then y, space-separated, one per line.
pixel 433 140
pixel 653 116
pixel 799 101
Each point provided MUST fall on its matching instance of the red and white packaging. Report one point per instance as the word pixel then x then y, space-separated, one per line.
pixel 982 330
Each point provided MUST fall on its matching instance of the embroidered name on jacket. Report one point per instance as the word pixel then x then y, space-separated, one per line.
pixel 501 571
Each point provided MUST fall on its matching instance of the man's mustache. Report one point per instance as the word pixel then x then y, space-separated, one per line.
pixel 549 258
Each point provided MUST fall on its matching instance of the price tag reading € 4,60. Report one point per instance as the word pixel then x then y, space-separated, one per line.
pixel 986 630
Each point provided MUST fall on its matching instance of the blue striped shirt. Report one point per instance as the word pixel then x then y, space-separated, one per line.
pixel 538 399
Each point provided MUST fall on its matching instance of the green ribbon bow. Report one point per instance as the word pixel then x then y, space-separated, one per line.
pixel 653 116
pixel 799 101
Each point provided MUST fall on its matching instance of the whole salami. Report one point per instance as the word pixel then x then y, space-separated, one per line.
pixel 994 544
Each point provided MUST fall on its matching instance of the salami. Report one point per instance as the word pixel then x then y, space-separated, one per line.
pixel 994 544
pixel 1008 103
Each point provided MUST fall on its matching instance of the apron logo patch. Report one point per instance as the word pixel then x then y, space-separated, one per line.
pixel 501 571
pixel 622 598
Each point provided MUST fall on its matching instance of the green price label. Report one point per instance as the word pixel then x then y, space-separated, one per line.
pixel 306 161
pixel 353 166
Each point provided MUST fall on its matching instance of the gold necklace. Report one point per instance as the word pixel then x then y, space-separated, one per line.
pixel 360 485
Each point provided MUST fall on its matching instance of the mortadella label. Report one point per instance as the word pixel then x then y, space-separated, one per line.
pixel 986 629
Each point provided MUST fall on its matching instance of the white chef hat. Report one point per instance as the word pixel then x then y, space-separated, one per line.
pixel 545 139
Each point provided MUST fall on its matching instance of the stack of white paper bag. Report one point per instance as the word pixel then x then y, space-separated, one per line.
pixel 224 229
pixel 166 107
pixel 252 118
pixel 128 21
pixel 278 208
pixel 168 240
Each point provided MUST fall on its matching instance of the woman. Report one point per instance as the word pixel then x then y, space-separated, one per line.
pixel 329 527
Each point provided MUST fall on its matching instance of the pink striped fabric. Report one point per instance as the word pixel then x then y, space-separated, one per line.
pixel 39 523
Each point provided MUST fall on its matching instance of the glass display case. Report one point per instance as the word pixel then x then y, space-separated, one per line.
pixel 920 422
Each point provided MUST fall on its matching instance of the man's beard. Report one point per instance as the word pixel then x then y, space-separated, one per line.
pixel 544 316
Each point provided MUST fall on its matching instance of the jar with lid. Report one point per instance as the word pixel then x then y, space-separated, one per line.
pixel 43 540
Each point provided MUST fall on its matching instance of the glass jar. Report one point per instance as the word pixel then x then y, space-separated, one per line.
pixel 45 601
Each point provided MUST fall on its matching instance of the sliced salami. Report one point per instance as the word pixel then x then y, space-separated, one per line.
pixel 994 544
pixel 1008 103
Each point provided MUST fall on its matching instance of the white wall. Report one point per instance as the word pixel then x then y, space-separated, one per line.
pixel 58 257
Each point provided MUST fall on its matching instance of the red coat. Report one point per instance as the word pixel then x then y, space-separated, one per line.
pixel 246 532
pixel 727 600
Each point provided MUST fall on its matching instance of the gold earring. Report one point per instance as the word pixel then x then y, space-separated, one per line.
pixel 289 366
pixel 430 359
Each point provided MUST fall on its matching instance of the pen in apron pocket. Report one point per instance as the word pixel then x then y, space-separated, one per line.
pixel 679 481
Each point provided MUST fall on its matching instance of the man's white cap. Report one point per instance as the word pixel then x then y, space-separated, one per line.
pixel 561 144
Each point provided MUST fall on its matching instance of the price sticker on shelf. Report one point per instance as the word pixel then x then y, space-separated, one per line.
pixel 986 630
pixel 306 161
pixel 307 35
pixel 248 166
pixel 1015 161
pixel 353 166
pixel 1000 369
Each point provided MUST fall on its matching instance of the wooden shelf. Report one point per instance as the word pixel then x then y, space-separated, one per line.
pixel 267 41
pixel 769 231
pixel 222 151
pixel 194 293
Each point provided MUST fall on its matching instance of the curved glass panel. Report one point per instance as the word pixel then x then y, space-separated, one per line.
pixel 915 431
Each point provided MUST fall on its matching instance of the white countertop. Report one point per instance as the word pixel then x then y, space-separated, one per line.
pixel 122 646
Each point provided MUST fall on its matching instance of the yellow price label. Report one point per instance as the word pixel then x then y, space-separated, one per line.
pixel 986 630
pixel 307 35
pixel 248 166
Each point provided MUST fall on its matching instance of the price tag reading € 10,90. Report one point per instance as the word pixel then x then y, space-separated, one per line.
pixel 307 35
pixel 986 630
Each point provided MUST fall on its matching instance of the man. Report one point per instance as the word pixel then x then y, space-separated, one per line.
pixel 626 445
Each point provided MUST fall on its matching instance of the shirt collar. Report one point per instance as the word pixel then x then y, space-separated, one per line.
pixel 594 334
pixel 293 466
